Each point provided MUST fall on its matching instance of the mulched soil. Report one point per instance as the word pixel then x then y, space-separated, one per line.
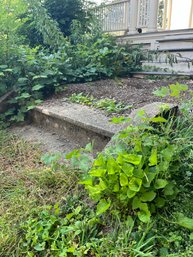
pixel 132 91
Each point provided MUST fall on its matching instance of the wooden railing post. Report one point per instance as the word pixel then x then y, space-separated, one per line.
pixel 133 17
pixel 153 15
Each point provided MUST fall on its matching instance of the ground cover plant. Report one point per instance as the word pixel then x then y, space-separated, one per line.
pixel 107 104
pixel 26 186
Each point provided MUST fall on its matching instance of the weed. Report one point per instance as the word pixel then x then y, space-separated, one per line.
pixel 81 99
pixel 106 104
pixel 111 106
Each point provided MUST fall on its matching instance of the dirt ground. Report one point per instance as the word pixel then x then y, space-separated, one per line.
pixel 131 91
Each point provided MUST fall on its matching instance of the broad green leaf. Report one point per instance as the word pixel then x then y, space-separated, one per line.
pixel 160 183
pixel 102 184
pixel 191 236
pixel 77 210
pixel 135 184
pixel 118 120
pixel 37 87
pixel 38 101
pixel 141 114
pixel 22 80
pixel 8 70
pixel 30 107
pixel 160 202
pixel 24 96
pixel 158 120
pixel 3 66
pixel 148 196
pixel 40 77
pixel 123 180
pixel 100 161
pixel 127 169
pixel 94 190
pixel 133 158
pixel 169 189
pixel 168 152
pixel 88 181
pixel 103 206
pixel 138 173
pixel 162 92
pixel 177 88
pixel 89 147
pixel 136 203
pixel 112 166
pixel 97 172
pixel 116 188
pixel 153 157
pixel 184 221
pixel 144 214
pixel 130 193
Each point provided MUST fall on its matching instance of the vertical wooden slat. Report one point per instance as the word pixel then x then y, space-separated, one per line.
pixel 115 16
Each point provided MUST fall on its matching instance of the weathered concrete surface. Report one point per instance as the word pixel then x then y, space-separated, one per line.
pixel 81 116
pixel 80 123
pixel 47 141
pixel 83 124
pixel 152 110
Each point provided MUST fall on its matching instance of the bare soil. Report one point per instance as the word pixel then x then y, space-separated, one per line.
pixel 132 91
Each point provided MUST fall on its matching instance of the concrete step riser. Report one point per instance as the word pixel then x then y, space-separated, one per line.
pixel 81 136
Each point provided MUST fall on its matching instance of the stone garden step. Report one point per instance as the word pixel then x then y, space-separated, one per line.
pixel 83 124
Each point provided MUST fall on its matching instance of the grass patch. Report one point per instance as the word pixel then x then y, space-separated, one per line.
pixel 26 186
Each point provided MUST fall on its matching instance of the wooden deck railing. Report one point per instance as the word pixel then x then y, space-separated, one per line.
pixel 114 16
pixel 128 15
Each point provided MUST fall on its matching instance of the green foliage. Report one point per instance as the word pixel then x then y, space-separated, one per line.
pixel 65 11
pixel 142 170
pixel 173 90
pixel 111 106
pixel 9 24
pixel 107 104
pixel 135 175
pixel 36 74
pixel 60 232
pixel 45 21
pixel 81 99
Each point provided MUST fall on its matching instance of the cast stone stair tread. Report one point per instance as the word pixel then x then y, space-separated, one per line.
pixel 80 115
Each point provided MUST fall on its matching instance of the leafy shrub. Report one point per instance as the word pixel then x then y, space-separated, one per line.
pixel 135 176
pixel 145 168
pixel 35 73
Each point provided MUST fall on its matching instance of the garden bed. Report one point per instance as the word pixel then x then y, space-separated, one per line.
pixel 132 91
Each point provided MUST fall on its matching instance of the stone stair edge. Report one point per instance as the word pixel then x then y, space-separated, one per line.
pixel 96 129
pixel 151 110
